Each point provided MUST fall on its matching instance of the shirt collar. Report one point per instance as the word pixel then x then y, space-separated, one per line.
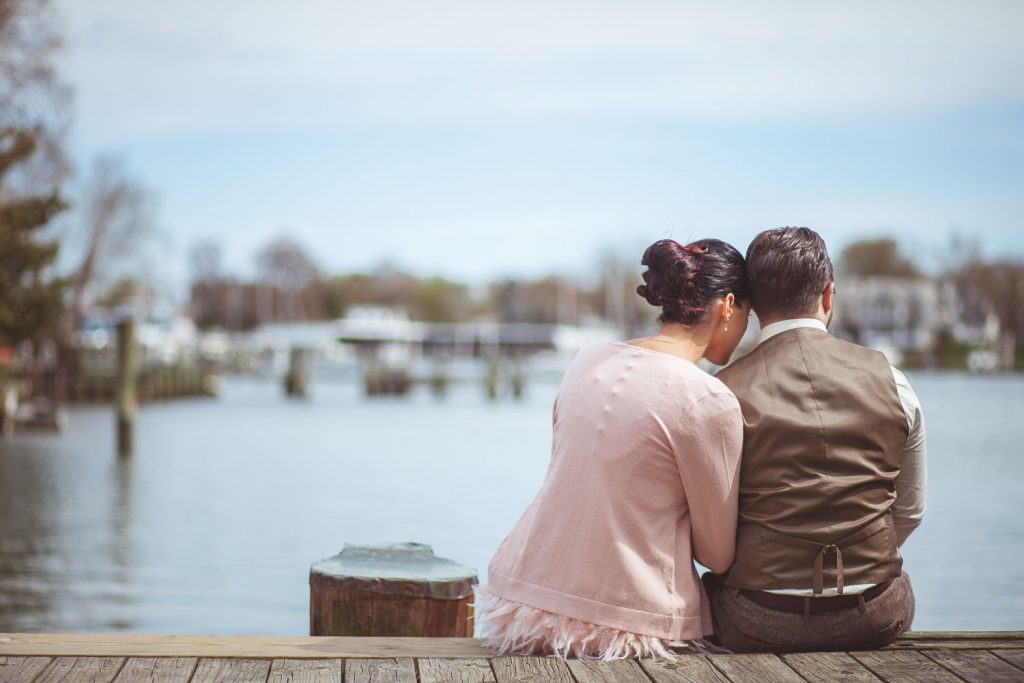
pixel 769 331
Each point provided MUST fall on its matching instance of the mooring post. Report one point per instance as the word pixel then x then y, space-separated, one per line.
pixel 296 382
pixel 8 408
pixel 126 379
pixel 393 590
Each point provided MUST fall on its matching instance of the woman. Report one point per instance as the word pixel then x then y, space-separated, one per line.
pixel 642 480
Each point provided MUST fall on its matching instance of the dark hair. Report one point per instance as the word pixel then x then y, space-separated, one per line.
pixel 685 280
pixel 788 268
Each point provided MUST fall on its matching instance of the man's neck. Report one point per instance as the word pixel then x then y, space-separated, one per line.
pixel 771 320
pixel 785 324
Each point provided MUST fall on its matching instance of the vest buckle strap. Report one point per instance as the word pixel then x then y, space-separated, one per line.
pixel 819 560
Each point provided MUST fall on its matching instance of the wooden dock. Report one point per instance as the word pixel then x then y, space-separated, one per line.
pixel 43 658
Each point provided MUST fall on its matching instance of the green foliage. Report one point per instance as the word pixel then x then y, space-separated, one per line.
pixel 879 257
pixel 951 354
pixel 434 299
pixel 31 305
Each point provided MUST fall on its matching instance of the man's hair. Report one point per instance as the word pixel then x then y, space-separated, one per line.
pixel 788 269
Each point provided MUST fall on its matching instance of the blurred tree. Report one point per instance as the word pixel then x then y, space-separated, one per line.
pixel 876 257
pixel 117 220
pixel 286 265
pixel 615 299
pixel 1001 283
pixel 31 299
pixel 434 299
pixel 127 292
pixel 209 298
pixel 32 97
pixel 205 261
pixel 438 300
pixel 527 301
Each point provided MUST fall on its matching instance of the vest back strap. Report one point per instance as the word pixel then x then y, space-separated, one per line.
pixel 818 581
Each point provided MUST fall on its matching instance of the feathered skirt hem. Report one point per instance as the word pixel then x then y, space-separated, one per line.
pixel 511 628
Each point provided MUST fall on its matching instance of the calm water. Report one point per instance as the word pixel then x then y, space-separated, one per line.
pixel 212 525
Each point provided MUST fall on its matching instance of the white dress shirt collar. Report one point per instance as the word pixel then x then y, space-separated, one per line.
pixel 769 331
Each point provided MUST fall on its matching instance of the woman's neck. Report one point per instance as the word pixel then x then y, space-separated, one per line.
pixel 674 339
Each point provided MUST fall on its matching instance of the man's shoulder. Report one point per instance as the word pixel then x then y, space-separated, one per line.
pixel 857 350
pixel 741 366
pixel 753 363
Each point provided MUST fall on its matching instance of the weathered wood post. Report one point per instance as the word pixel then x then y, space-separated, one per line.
pixel 400 589
pixel 299 371
pixel 8 408
pixel 126 379
pixel 518 378
pixel 492 376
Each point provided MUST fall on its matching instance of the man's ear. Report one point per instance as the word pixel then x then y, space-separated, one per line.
pixel 826 297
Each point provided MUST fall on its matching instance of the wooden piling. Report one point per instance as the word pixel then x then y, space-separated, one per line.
pixel 126 381
pixel 297 380
pixel 390 590
pixel 8 408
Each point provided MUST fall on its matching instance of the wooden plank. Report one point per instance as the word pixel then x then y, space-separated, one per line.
pixel 380 671
pixel 594 671
pixel 755 668
pixel 530 670
pixel 276 647
pixel 976 665
pixel 157 670
pixel 434 670
pixel 959 640
pixel 305 671
pixel 894 666
pixel 333 647
pixel 685 669
pixel 82 670
pixel 21 669
pixel 1015 657
pixel 829 666
pixel 219 670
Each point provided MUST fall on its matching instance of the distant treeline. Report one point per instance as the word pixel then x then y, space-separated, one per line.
pixel 292 287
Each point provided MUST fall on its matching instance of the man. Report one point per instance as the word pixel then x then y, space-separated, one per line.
pixel 832 476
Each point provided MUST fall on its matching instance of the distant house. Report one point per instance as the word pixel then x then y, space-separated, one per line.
pixel 975 322
pixel 895 315
pixel 906 316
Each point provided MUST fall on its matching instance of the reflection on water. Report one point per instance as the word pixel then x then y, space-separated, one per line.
pixel 212 525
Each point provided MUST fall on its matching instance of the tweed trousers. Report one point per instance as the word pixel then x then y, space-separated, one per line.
pixel 741 625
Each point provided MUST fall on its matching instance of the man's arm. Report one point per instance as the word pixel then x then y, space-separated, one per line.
pixel 908 510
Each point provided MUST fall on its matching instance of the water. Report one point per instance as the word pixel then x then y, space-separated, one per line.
pixel 212 525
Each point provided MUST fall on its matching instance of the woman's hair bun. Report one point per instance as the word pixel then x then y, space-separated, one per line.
pixel 677 280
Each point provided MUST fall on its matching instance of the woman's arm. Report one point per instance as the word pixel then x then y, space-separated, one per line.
pixel 708 447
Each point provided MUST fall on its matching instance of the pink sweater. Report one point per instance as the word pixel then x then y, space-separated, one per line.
pixel 643 479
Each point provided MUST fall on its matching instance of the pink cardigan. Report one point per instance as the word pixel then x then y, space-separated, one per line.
pixel 643 479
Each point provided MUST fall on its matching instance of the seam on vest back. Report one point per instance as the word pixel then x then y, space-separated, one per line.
pixel 817 409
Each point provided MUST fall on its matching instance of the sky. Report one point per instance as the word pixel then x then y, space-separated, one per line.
pixel 478 139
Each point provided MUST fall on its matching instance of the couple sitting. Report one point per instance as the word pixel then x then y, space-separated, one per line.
pixel 794 475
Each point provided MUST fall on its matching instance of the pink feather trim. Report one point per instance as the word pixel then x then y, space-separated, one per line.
pixel 512 628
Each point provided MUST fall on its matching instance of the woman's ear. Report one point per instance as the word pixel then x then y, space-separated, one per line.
pixel 729 303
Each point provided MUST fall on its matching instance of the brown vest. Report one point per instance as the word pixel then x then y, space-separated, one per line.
pixel 822 438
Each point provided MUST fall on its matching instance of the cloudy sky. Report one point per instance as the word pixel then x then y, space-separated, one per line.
pixel 475 138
